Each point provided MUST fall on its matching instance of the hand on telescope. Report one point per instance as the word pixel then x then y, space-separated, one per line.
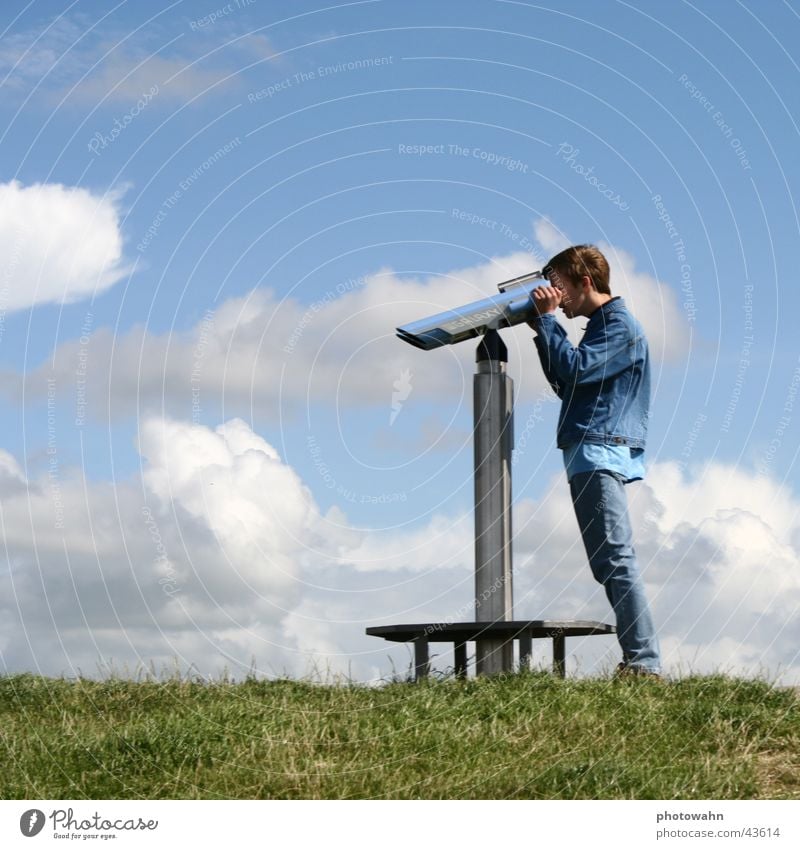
pixel 546 299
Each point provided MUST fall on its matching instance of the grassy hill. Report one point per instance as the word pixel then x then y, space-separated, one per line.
pixel 522 736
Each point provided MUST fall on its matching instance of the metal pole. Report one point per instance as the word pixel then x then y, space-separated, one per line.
pixel 493 392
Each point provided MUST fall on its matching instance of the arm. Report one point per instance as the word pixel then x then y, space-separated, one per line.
pixel 543 350
pixel 609 350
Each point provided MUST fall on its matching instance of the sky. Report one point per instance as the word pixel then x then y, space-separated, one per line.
pixel 218 458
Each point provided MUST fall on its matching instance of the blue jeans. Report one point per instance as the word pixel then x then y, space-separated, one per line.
pixel 601 508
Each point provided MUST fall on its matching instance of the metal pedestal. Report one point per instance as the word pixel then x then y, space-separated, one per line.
pixel 493 413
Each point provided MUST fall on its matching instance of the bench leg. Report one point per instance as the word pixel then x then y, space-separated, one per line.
pixel 525 651
pixel 460 651
pixel 421 665
pixel 559 654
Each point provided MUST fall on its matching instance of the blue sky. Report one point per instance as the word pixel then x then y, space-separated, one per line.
pixel 218 212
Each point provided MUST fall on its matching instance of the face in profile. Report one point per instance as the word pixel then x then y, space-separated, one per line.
pixel 573 294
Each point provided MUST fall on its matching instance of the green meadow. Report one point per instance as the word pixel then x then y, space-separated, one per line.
pixel 527 735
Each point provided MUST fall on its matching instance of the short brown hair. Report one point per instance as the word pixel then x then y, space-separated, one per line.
pixel 581 261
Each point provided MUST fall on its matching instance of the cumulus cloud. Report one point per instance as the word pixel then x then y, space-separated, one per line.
pixel 551 239
pixel 203 556
pixel 276 355
pixel 58 244
pixel 443 542
pixel 219 557
pixel 718 550
pixel 216 558
pixel 725 557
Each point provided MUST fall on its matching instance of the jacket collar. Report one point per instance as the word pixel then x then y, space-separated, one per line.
pixel 616 303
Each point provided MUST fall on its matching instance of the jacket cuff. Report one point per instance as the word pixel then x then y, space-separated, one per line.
pixel 540 321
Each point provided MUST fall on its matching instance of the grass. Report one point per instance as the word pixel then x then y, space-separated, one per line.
pixel 522 736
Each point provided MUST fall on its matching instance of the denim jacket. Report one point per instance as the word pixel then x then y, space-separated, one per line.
pixel 604 383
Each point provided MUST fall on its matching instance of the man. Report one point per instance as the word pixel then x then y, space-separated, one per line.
pixel 604 385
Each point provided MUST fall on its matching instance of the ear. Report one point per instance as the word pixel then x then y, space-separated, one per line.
pixel 586 282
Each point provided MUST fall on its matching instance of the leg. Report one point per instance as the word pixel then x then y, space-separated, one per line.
pixel 601 508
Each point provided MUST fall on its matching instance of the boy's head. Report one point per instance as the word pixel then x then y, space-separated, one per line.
pixel 581 273
pixel 577 262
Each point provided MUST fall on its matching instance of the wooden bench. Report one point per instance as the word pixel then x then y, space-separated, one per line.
pixel 460 633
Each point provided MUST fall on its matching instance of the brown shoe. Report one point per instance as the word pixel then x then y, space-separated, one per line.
pixel 625 671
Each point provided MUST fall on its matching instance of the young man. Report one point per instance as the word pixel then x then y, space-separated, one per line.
pixel 604 385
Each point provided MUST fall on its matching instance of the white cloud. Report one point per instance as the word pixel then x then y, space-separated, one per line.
pixel 442 543
pixel 233 484
pixel 219 557
pixel 275 354
pixel 728 565
pixel 204 555
pixel 715 544
pixel 58 244
pixel 551 239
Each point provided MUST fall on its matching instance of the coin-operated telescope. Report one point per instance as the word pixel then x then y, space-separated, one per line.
pixel 512 306
pixel 493 411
